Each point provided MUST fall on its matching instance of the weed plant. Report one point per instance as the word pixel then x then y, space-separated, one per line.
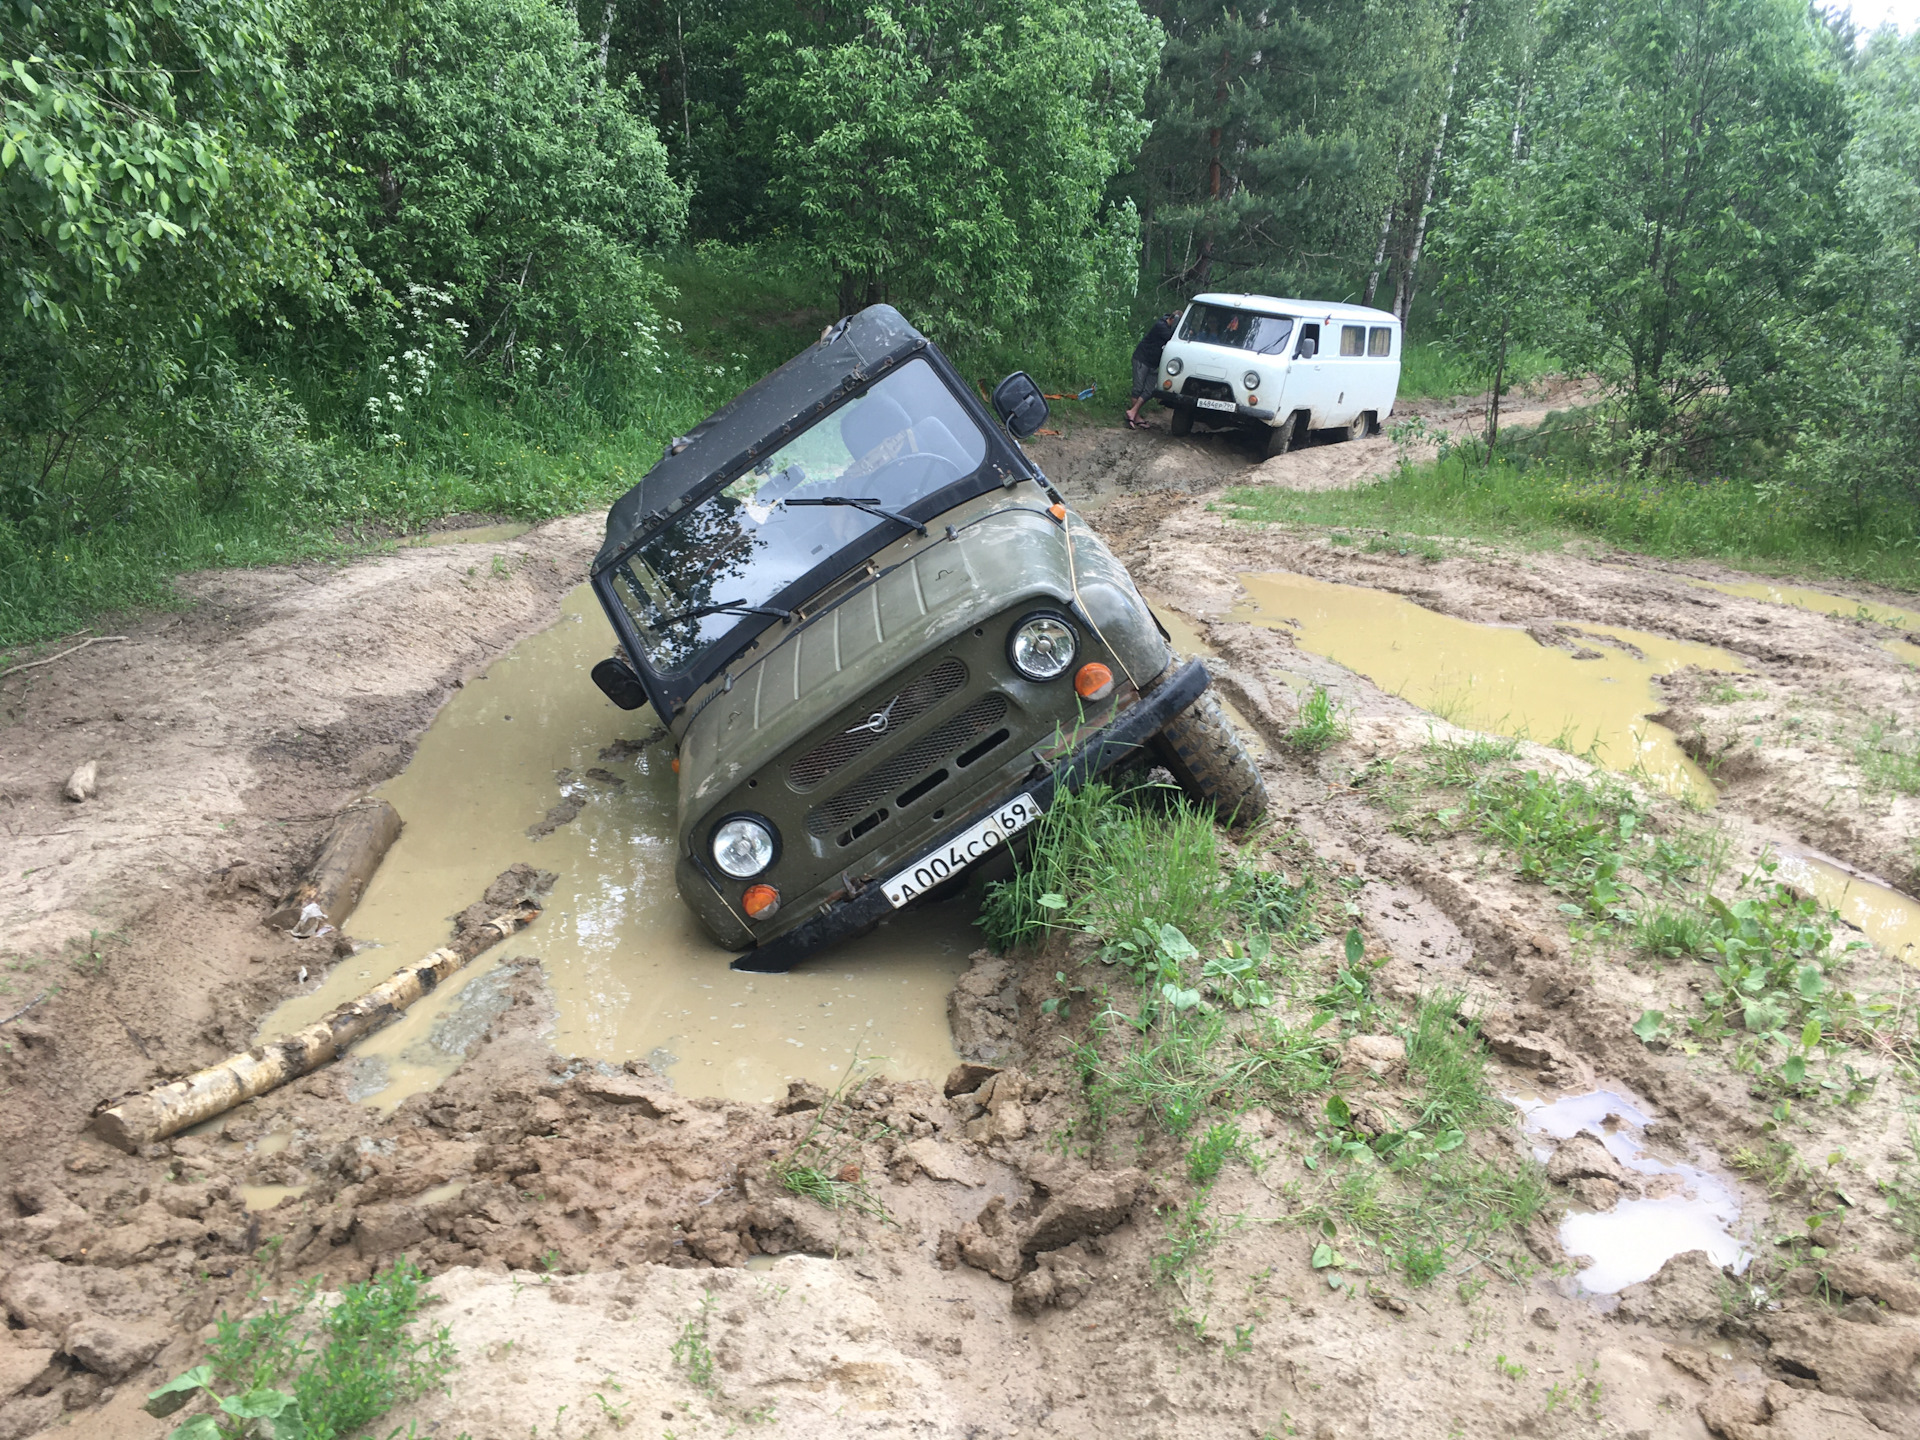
pixel 317 1373
pixel 815 1167
pixel 1889 760
pixel 1320 722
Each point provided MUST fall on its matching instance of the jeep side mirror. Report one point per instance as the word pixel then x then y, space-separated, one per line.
pixel 618 682
pixel 1020 405
pixel 1309 347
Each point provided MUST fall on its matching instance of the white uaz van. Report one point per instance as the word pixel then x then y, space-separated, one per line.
pixel 1285 366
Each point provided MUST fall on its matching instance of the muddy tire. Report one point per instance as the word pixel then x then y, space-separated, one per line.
pixel 1207 759
pixel 1360 427
pixel 1181 422
pixel 1280 437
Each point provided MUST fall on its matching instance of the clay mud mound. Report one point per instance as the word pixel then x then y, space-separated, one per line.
pixel 996 1266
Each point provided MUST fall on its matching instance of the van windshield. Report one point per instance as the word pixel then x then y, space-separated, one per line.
pixel 690 585
pixel 1240 329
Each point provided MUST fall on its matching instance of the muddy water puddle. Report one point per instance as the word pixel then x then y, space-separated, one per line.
pixel 1888 918
pixel 631 973
pixel 1681 1207
pixel 1593 697
pixel 1803 598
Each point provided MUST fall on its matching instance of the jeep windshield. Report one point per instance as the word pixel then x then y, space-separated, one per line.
pixel 1238 329
pixel 819 503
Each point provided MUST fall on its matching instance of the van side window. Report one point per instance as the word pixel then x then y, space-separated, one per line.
pixel 1307 333
pixel 1353 339
pixel 1380 342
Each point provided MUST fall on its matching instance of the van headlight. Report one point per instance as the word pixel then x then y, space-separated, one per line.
pixel 1174 367
pixel 1251 379
pixel 1042 647
pixel 745 845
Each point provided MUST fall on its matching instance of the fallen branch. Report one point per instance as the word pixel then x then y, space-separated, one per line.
pixel 213 1091
pixel 36 664
pixel 24 1008
pixel 360 837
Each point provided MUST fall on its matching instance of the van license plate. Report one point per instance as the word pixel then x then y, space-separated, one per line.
pixel 963 850
pixel 1214 404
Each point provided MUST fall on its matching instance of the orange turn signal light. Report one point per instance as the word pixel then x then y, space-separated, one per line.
pixel 676 764
pixel 1166 384
pixel 1093 682
pixel 1059 512
pixel 760 901
pixel 1253 399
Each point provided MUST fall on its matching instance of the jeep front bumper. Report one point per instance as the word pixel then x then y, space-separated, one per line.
pixel 1123 736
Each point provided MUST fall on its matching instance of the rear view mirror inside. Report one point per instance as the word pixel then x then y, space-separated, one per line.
pixel 1019 403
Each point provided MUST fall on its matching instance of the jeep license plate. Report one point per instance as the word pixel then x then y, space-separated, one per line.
pixel 1214 404
pixel 962 851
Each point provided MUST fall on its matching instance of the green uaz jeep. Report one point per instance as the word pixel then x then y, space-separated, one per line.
pixel 881 642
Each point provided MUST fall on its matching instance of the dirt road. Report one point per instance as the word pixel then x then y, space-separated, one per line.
pixel 583 1210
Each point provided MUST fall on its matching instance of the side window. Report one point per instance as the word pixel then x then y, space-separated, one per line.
pixel 1353 339
pixel 1380 341
pixel 1309 341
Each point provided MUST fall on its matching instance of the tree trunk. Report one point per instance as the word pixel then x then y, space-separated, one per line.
pixel 213 1091
pixel 606 38
pixel 360 837
pixel 1409 276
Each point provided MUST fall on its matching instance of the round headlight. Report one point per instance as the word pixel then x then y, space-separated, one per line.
pixel 743 846
pixel 1251 379
pixel 1174 367
pixel 1042 647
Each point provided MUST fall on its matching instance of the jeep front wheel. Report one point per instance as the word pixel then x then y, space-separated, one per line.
pixel 1204 755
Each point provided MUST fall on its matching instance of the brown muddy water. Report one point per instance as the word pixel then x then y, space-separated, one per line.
pixel 1802 598
pixel 1888 918
pixel 631 973
pixel 1593 699
pixel 1682 1207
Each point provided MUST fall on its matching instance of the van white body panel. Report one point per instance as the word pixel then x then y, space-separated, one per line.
pixel 1331 388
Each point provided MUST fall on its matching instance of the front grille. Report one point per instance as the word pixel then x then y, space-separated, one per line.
pixel 909 705
pixel 914 773
pixel 1207 389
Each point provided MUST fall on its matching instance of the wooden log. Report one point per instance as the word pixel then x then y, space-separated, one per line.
pixel 354 847
pixel 217 1089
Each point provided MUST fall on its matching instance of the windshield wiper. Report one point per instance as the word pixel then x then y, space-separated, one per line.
pixel 726 607
pixel 870 504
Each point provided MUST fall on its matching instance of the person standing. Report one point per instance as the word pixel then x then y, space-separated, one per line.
pixel 1146 365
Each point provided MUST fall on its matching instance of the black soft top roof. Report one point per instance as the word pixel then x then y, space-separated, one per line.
pixel 759 419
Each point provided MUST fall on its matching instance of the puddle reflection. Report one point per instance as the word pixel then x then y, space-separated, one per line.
pixel 1630 1242
pixel 632 974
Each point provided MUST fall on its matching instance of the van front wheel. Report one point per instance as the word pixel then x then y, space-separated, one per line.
pixel 1280 437
pixel 1181 422
pixel 1207 759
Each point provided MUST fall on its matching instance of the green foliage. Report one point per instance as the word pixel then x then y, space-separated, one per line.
pixel 1319 722
pixel 315 1375
pixel 957 154
pixel 1890 759
pixel 481 164
pixel 1692 155
pixel 142 137
pixel 1503 285
pixel 1124 868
